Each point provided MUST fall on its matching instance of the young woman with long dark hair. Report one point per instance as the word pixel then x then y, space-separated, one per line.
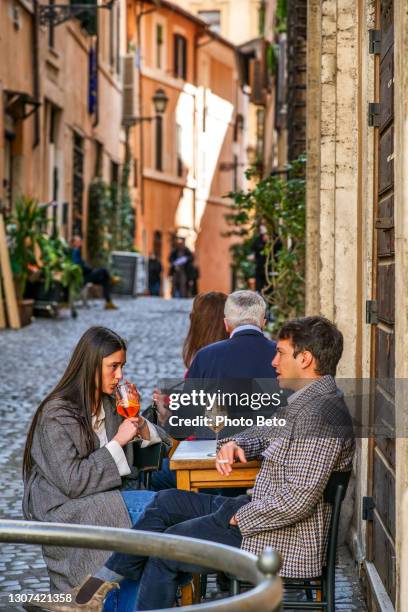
pixel 77 462
pixel 206 327
pixel 206 324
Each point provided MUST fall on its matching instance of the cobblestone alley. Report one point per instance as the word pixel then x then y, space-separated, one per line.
pixel 32 361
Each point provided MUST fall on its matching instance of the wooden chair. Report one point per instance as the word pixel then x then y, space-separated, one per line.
pixel 324 586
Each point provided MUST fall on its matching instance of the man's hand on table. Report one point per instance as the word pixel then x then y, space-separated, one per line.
pixel 227 455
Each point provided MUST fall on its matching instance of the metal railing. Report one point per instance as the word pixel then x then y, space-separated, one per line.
pixel 266 596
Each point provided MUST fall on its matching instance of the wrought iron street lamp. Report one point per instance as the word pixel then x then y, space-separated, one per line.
pixel 160 101
pixel 53 14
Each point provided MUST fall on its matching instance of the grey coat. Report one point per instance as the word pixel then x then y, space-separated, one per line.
pixel 67 485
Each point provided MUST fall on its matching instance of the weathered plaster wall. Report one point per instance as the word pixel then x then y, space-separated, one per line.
pixel 339 216
pixel 340 211
pixel 313 105
pixel 332 138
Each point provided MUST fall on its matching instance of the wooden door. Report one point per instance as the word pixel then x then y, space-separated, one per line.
pixel 381 527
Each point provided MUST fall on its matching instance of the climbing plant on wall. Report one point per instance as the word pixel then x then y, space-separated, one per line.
pixel 125 213
pixel 99 223
pixel 110 220
pixel 278 202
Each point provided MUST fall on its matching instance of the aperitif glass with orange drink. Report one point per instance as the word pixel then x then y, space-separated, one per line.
pixel 127 400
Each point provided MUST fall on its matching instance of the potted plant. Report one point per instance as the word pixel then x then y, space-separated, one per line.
pixel 24 232
pixel 58 270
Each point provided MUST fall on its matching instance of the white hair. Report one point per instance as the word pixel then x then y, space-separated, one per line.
pixel 245 308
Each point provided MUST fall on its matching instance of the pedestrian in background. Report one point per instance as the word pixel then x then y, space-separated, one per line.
pixel 180 261
pixel 247 353
pixel 258 248
pixel 97 276
pixel 193 276
pixel 154 274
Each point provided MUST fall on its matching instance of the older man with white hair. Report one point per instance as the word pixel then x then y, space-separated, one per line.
pixel 247 353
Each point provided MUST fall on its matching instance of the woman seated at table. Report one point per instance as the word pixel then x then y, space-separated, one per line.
pixel 77 460
pixel 206 326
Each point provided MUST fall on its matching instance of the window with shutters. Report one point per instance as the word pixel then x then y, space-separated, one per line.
pixel 8 172
pixel 98 159
pixel 53 159
pixel 159 45
pixel 54 152
pixel 179 150
pixel 114 173
pixel 158 143
pixel 180 57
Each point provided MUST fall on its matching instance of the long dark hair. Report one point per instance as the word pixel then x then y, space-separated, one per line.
pixel 78 386
pixel 206 323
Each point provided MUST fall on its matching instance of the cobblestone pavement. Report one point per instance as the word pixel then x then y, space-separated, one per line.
pixel 32 360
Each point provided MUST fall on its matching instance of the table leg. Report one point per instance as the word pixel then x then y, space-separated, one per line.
pixel 184 480
pixel 187 594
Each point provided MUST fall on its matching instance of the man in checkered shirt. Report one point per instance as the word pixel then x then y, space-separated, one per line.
pixel 287 510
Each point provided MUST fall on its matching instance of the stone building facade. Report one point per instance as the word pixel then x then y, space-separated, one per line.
pixel 356 270
pixel 250 24
pixel 60 107
pixel 187 160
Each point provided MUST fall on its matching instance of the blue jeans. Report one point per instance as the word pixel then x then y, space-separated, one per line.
pixel 124 599
pixel 164 478
pixel 178 513
pixel 154 288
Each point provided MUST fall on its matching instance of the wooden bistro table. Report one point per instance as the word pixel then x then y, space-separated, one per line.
pixel 196 470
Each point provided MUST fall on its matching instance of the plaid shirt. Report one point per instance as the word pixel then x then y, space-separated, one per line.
pixel 287 510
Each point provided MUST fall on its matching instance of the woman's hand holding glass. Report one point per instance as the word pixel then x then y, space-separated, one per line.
pixel 131 429
pixel 128 430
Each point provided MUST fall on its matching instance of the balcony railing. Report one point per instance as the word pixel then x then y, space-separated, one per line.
pixel 262 572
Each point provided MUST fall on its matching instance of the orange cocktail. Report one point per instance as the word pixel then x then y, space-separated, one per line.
pixel 127 400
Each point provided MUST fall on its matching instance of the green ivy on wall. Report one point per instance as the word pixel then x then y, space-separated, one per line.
pixel 278 202
pixel 124 240
pixel 99 223
pixel 110 220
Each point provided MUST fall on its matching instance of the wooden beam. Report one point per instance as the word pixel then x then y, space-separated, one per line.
pixel 7 276
pixel 2 313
